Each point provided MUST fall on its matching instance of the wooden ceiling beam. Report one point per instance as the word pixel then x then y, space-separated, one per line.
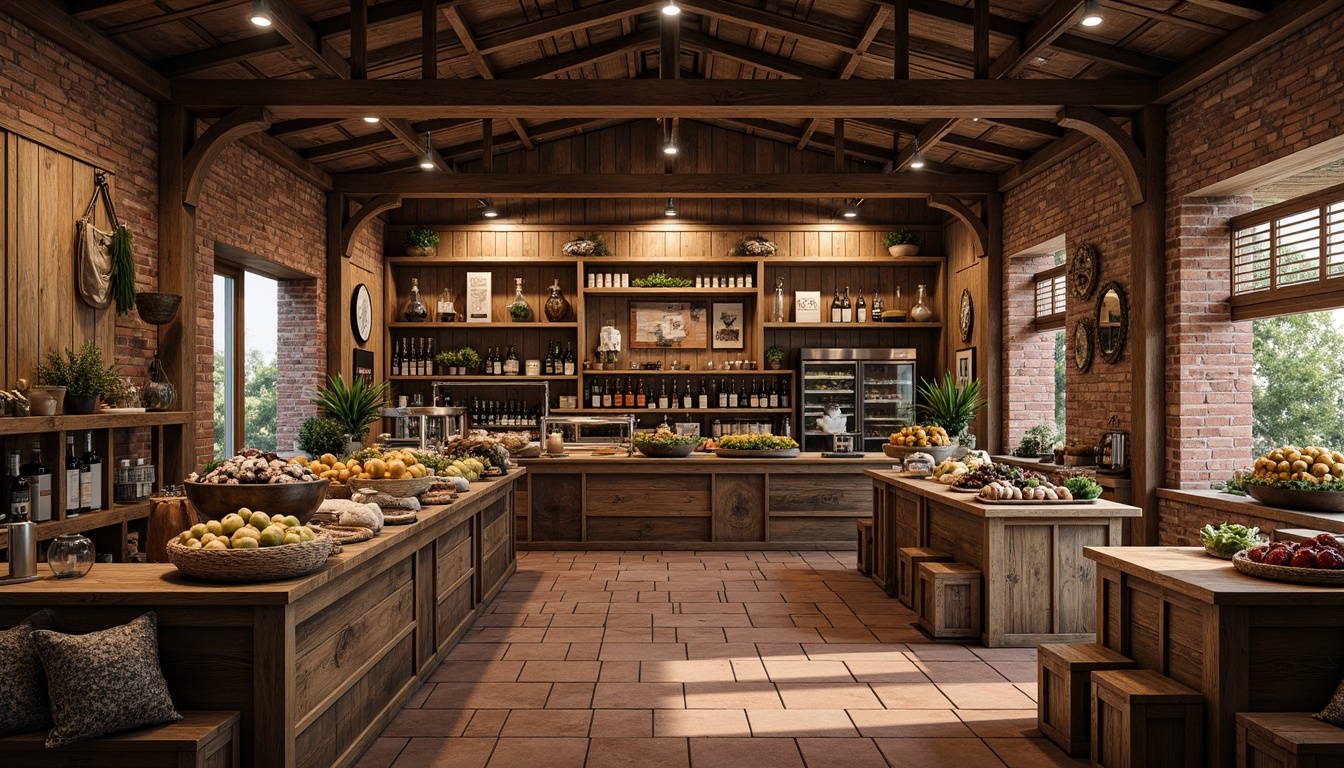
pixel 303 125
pixel 464 36
pixel 559 25
pixel 580 57
pixel 1040 128
pixel 379 140
pixel 629 99
pixel 974 146
pixel 876 20
pixel 415 141
pixel 1044 31
pixel 93 9
pixel 280 153
pixel 1044 159
pixel 1166 18
pixel 657 185
pixel 773 22
pixel 932 133
pixel 1285 19
pixel 470 150
pixel 698 41
pixel 1246 9
pixel 783 132
pixel 291 25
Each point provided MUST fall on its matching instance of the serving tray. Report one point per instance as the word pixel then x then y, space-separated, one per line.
pixel 1315 576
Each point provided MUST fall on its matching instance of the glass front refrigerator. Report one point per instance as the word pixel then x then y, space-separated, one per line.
pixel 874 389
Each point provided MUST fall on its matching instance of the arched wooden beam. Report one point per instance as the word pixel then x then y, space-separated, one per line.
pixel 363 216
pixel 241 122
pixel 1127 155
pixel 967 216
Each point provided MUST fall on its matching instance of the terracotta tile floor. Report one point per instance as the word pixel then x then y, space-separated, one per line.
pixel 713 660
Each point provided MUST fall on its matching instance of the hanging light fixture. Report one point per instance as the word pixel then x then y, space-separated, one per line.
pixel 1092 13
pixel 917 160
pixel 261 13
pixel 852 208
pixel 671 8
pixel 427 162
pixel 370 119
pixel 488 209
pixel 671 210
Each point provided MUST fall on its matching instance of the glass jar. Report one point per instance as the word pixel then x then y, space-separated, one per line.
pixel 159 394
pixel 921 312
pixel 70 556
pixel 777 309
pixel 447 308
pixel 415 311
pixel 557 306
pixel 519 310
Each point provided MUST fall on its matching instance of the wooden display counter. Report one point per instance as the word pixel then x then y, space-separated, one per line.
pixel 1246 644
pixel 318 665
pixel 1037 586
pixel 698 502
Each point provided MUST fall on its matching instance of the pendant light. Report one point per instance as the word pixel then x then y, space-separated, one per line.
pixel 1092 13
pixel 488 209
pixel 917 159
pixel 261 13
pixel 427 162
pixel 671 210
pixel 671 8
pixel 852 208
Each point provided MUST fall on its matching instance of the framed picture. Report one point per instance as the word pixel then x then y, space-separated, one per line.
pixel 668 325
pixel 363 365
pixel 478 297
pixel 965 366
pixel 728 323
pixel 807 306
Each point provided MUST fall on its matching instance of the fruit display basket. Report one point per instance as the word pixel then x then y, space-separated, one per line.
pixel 940 453
pixel 655 451
pixel 1289 498
pixel 1315 576
pixel 249 565
pixel 402 488
pixel 213 501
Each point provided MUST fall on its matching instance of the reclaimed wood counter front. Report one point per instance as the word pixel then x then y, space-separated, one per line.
pixel 1037 586
pixel 318 665
pixel 1247 644
pixel 698 502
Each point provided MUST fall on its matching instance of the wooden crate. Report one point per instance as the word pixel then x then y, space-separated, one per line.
pixel 949 607
pixel 198 740
pixel 908 560
pixel 1287 740
pixel 1064 691
pixel 865 546
pixel 1141 719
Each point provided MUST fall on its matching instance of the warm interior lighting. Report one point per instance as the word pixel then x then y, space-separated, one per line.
pixel 670 148
pixel 917 160
pixel 261 13
pixel 427 162
pixel 851 209
pixel 370 119
pixel 671 8
pixel 1092 13
pixel 671 210
pixel 488 209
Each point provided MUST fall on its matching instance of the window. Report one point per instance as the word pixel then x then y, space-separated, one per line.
pixel 246 309
pixel 1289 255
pixel 1296 397
pixel 1050 299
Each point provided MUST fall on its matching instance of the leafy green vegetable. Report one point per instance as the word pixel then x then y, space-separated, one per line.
pixel 1083 488
pixel 1229 538
pixel 666 438
pixel 757 442
pixel 660 280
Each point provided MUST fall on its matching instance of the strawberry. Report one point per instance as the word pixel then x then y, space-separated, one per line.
pixel 1278 556
pixel 1305 558
pixel 1331 559
pixel 1257 555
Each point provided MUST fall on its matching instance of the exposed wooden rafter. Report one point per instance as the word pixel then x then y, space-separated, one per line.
pixel 1119 145
pixel 92 9
pixel 561 24
pixel 287 21
pixel 1246 9
pixel 464 35
pixel 366 213
pixel 458 153
pixel 239 123
pixel 963 213
pixel 876 19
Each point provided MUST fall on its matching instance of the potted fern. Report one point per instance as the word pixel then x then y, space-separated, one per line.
pixel 82 373
pixel 422 241
pixel 949 406
pixel 902 242
pixel 354 405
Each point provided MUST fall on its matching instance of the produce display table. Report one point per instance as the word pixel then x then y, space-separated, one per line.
pixel 1246 644
pixel 701 501
pixel 1038 587
pixel 317 665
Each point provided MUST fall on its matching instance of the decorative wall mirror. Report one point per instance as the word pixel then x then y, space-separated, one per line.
pixel 1112 322
pixel 1083 344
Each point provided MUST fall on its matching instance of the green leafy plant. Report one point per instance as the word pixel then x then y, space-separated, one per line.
pixel 1083 487
pixel 422 237
pixel 448 358
pixel 901 237
pixel 82 373
pixel 757 442
pixel 1036 441
pixel 520 312
pixel 354 405
pixel 774 354
pixel 666 438
pixel 947 405
pixel 318 436
pixel 1229 538
pixel 660 280
pixel 468 357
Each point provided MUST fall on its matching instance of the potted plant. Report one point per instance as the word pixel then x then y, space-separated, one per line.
pixel 1036 442
pixel 83 375
pixel 355 405
pixel 949 406
pixel 468 360
pixel 520 313
pixel 587 244
pixel 774 357
pixel 754 245
pixel 902 242
pixel 421 241
pixel 450 362
pixel 318 436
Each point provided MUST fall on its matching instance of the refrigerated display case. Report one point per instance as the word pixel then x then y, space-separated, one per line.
pixel 874 389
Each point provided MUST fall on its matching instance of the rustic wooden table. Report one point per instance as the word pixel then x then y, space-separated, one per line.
pixel 1247 644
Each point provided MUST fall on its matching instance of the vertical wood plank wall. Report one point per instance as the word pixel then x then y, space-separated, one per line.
pixel 965 270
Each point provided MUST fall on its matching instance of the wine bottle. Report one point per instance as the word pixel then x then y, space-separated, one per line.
pixel 499 363
pixel 396 360
pixel 71 478
pixel 732 394
pixel 95 463
pixel 607 398
pixel 846 309
pixel 774 394
pixel 641 401
pixel 687 399
pixel 594 394
pixel 569 359
pixel 511 367
pixel 755 401
pixel 878 306
pixel 663 402
pixel 39 485
pixel 723 393
pixel 19 509
pixel 548 363
pixel 703 399
pixel 861 309
pixel 835 305
pixel 629 393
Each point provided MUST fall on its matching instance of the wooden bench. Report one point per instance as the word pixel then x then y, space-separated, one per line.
pixel 1141 719
pixel 1287 740
pixel 1064 691
pixel 865 533
pixel 949 603
pixel 908 560
pixel 198 740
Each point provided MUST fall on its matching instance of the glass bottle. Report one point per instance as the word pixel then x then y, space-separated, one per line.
pixel 777 310
pixel 39 484
pixel 95 464
pixel 511 363
pixel 861 309
pixel 519 310
pixel 920 312
pixel 835 305
pixel 70 556
pixel 159 394
pixel 447 310
pixel 878 307
pixel 557 306
pixel 846 308
pixel 897 307
pixel 71 489
pixel 20 492
pixel 415 311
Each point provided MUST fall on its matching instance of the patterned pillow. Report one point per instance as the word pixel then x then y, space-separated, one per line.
pixel 23 687
pixel 104 682
pixel 1334 711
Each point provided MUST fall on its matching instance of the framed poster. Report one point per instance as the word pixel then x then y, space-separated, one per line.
pixel 668 325
pixel 478 297
pixel 363 366
pixel 727 321
pixel 807 306
pixel 965 366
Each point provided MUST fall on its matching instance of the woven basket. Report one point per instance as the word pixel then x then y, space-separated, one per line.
pixel 1316 576
pixel 398 489
pixel 346 534
pixel 245 565
pixel 157 308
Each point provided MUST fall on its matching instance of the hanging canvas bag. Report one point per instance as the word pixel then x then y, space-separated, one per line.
pixel 106 270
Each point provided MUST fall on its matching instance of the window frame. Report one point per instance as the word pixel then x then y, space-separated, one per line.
pixel 1323 293
pixel 234 358
pixel 1055 277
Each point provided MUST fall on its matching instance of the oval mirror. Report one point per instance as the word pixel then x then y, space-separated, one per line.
pixel 1112 322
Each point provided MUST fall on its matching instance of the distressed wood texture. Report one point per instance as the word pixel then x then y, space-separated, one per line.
pixel 1064 691
pixel 1038 586
pixel 1140 718
pixel 319 665
pixel 1246 644
pixel 198 740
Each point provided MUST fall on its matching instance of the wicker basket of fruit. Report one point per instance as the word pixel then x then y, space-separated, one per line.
pixel 247 546
pixel 926 439
pixel 1319 562
pixel 395 473
pixel 1310 478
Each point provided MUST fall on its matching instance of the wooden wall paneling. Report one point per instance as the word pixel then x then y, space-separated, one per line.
pixel 1025 568
pixel 26 330
pixel 557 508
pixel 8 256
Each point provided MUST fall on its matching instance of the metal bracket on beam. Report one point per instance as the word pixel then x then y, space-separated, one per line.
pixel 967 216
pixel 364 215
pixel 1121 147
pixel 241 122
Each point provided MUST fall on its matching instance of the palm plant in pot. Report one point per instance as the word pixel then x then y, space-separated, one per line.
pixel 902 242
pixel 948 405
pixel 355 405
pixel 422 241
pixel 83 374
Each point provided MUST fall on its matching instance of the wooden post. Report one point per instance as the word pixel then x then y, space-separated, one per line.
pixel 900 19
pixel 359 39
pixel 1147 325
pixel 429 40
pixel 339 336
pixel 177 270
pixel 994 358
pixel 980 36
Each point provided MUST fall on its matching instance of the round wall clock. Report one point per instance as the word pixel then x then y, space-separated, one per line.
pixel 966 317
pixel 1083 345
pixel 361 313
pixel 1084 267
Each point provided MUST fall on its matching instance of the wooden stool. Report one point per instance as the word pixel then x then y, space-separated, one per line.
pixel 198 740
pixel 949 600
pixel 1144 720
pixel 865 531
pixel 1288 739
pixel 907 571
pixel 1064 691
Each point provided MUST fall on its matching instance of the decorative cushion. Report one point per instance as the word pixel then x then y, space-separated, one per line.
pixel 104 682
pixel 23 687
pixel 1334 711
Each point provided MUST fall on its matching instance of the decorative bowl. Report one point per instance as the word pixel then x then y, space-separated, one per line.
pixel 940 453
pixel 251 565
pixel 1288 498
pixel 667 451
pixel 1316 576
pixel 300 499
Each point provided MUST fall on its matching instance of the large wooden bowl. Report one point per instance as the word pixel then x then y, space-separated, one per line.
pixel 940 453
pixel 300 499
pixel 1287 498
pixel 667 451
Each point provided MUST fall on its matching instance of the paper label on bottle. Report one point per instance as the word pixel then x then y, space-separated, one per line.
pixel 96 473
pixel 71 489
pixel 41 504
pixel 86 490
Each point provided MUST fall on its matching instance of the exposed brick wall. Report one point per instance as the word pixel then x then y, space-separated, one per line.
pixel 1181 521
pixel 1029 356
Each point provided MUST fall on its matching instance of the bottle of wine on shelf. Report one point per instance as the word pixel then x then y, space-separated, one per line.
pixel 39 484
pixel 629 393
pixel 846 309
pixel 570 369
pixel 703 398
pixel 594 394
pixel 663 402
pixel 95 464
pixel 755 401
pixel 836 310
pixel 641 401
pixel 548 363
pixel 608 399
pixel 774 391
pixel 71 478
pixel 723 393
pixel 20 504
pixel 396 359
pixel 733 397
pixel 861 309
pixel 687 399
pixel 878 306
pixel 85 487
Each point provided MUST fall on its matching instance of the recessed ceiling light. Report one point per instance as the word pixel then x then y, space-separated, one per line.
pixel 670 148
pixel 370 119
pixel 1092 13
pixel 261 13
pixel 671 8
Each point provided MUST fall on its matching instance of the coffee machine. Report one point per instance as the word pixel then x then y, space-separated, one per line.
pixel 1113 450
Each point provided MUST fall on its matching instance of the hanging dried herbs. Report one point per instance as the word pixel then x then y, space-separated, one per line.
pixel 123 271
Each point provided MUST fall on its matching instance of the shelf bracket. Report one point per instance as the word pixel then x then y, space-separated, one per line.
pixel 1121 147
pixel 364 215
pixel 241 122
pixel 967 216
